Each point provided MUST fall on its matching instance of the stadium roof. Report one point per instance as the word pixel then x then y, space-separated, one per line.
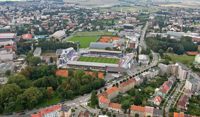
pixel 92 64
pixel 106 51
pixel 100 45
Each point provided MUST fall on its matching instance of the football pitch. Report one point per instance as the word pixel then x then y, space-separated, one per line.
pixel 99 60
pixel 84 40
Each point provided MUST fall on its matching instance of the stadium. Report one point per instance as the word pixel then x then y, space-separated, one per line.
pixel 94 59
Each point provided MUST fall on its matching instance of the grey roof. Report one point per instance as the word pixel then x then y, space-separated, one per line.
pixel 100 45
pixel 59 52
pixel 37 51
pixel 105 51
pixel 157 112
pixel 92 64
pixel 176 34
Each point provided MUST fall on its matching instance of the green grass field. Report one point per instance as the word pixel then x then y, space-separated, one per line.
pixel 84 41
pixel 185 59
pixel 94 33
pixel 86 37
pixel 99 60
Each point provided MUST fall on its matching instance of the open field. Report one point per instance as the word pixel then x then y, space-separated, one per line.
pixel 84 40
pixel 94 33
pixel 185 59
pixel 130 9
pixel 99 60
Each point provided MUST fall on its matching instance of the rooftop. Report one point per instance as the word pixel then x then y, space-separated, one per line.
pixel 115 105
pixel 111 90
pixel 138 108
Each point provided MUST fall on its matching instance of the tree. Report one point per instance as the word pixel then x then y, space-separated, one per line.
pixel 94 99
pixel 34 61
pixel 46 82
pixel 20 80
pixel 8 73
pixel 125 105
pixel 8 96
pixel 138 101
pixel 30 98
pixel 50 92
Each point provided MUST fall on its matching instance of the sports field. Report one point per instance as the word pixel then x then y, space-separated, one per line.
pixel 84 40
pixel 86 37
pixel 99 60
pixel 93 33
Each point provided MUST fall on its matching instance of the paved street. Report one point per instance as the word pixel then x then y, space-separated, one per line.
pixel 142 38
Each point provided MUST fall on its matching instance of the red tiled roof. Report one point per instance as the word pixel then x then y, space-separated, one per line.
pixel 192 53
pixel 62 73
pixel 115 105
pixel 45 111
pixel 27 36
pixel 138 108
pixel 149 109
pixel 127 82
pixel 158 99
pixel 165 87
pixel 111 90
pixel 104 100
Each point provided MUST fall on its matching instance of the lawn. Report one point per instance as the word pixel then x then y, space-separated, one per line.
pixel 94 33
pixel 99 60
pixel 84 40
pixel 185 59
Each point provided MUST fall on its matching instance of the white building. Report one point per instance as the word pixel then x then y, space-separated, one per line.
pixel 66 55
pixel 144 59
pixel 7 39
pixel 192 83
pixel 182 71
pixel 7 55
pixel 59 35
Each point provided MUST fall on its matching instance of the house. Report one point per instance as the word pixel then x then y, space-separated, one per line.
pixel 157 113
pixel 137 111
pixel 192 83
pixel 127 85
pixel 157 100
pixel 149 111
pixel 115 107
pixel 138 80
pixel 7 39
pixel 52 111
pixel 144 59
pixel 103 101
pixel 7 54
pixel 84 114
pixel 164 69
pixel 182 71
pixel 182 103
pixel 27 36
pixel 65 111
pixel 112 92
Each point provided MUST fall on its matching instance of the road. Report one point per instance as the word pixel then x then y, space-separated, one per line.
pixel 142 38
pixel 173 97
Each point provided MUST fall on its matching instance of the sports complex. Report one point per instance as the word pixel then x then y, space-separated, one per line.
pixel 94 54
